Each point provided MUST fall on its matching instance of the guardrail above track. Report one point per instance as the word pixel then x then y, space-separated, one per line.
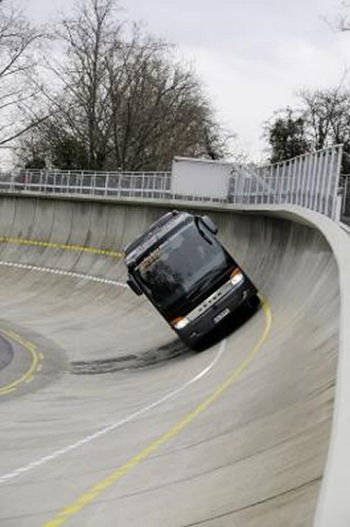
pixel 117 184
pixel 310 181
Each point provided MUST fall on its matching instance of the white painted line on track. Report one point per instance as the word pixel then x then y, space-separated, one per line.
pixel 113 426
pixel 63 272
pixel 58 453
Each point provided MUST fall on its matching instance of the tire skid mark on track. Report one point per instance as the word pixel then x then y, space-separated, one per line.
pixel 93 493
pixel 113 426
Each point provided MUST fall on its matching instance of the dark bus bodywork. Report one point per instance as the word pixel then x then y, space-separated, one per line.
pixel 187 274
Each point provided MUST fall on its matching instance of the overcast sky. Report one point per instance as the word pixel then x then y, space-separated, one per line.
pixel 252 55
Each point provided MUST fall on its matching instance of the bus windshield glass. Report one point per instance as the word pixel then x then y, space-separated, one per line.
pixel 180 266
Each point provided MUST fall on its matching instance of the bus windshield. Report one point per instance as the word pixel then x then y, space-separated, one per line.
pixel 179 267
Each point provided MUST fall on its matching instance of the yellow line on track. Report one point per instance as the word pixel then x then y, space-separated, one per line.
pixel 66 247
pixel 28 375
pixel 92 494
pixel 36 357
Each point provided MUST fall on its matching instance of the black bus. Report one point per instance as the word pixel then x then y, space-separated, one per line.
pixel 187 274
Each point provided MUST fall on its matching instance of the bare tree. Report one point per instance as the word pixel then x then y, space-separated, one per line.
pixel 327 115
pixel 18 40
pixel 158 108
pixel 75 90
pixel 321 119
pixel 342 21
pixel 123 100
pixel 286 134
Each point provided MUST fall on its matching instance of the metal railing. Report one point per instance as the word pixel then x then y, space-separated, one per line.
pixel 345 189
pixel 309 180
pixel 69 182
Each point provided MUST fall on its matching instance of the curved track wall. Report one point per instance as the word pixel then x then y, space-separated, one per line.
pixel 110 377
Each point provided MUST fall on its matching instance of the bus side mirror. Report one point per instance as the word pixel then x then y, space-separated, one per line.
pixel 134 286
pixel 210 225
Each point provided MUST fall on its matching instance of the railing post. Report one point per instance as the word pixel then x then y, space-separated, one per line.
pixel 345 195
pixel 281 171
pixel 119 186
pixel 346 191
pixel 12 181
pixel 337 180
pixel 279 182
pixel 330 196
pixel 300 170
pixel 305 182
pixel 314 182
pixel 322 184
pixel 270 184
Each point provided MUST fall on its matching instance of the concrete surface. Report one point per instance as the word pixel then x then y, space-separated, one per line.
pixel 253 456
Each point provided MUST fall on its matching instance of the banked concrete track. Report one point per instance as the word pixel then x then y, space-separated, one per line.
pixel 106 419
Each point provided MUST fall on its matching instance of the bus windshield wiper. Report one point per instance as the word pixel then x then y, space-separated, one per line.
pixel 202 233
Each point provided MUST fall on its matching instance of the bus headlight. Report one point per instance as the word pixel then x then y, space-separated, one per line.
pixel 180 322
pixel 236 276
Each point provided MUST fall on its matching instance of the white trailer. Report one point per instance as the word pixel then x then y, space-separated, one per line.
pixel 200 177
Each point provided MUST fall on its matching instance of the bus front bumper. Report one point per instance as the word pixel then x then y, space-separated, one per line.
pixel 210 319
